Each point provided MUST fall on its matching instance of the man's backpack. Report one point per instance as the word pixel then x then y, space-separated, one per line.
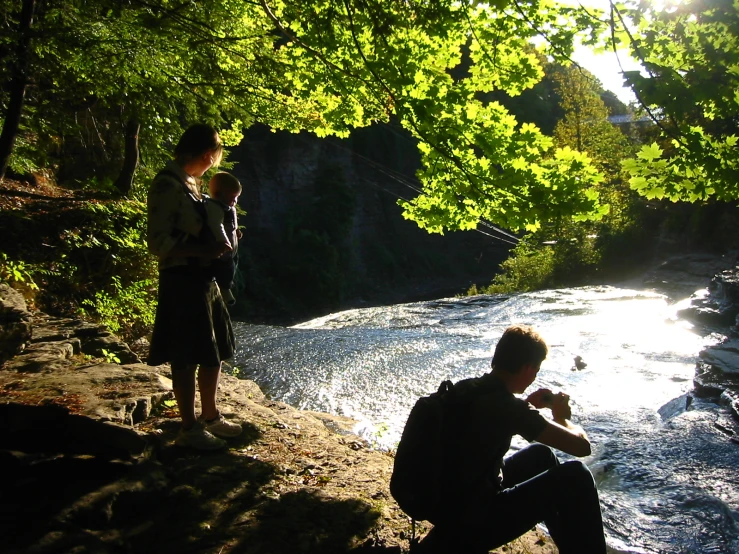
pixel 418 471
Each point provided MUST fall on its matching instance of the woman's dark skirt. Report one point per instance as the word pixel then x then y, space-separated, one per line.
pixel 192 325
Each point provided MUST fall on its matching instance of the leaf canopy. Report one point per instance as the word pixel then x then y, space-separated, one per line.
pixel 326 66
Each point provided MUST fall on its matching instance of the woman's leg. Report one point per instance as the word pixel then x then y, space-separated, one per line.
pixel 183 385
pixel 208 379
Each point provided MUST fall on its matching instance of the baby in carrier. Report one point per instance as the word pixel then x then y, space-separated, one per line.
pixel 225 190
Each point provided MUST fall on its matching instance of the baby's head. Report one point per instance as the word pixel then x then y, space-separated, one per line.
pixel 225 188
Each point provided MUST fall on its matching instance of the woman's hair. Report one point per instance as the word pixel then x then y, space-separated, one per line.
pixel 196 141
pixel 520 345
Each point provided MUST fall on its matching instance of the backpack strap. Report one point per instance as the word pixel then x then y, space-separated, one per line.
pixel 172 175
pixel 168 173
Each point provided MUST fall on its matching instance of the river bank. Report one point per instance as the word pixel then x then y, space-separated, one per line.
pixel 88 435
pixel 89 444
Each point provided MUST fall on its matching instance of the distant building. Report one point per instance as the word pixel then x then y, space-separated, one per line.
pixel 628 118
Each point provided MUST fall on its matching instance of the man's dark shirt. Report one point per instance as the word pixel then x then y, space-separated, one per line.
pixel 485 419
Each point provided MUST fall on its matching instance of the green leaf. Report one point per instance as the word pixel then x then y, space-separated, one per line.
pixel 650 152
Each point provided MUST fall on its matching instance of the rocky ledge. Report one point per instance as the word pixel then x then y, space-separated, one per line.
pixel 89 462
pixel 716 308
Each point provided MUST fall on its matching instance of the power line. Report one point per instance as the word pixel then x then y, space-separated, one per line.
pixel 411 184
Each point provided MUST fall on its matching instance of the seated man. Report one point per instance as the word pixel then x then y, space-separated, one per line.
pixel 484 500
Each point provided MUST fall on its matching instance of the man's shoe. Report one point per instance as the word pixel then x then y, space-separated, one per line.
pixel 221 427
pixel 199 438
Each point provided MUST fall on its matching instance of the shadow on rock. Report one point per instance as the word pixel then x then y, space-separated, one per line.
pixel 52 429
pixel 307 521
pixel 174 500
pixel 42 489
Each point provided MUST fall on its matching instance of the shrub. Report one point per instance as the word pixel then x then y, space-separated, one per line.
pixel 19 276
pixel 129 310
pixel 529 267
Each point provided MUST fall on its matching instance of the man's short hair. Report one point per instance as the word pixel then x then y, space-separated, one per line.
pixel 520 345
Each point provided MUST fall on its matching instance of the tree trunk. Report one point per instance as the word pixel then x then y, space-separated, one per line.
pixel 130 159
pixel 17 87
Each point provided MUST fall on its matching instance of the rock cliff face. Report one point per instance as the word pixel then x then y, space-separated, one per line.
pixel 323 228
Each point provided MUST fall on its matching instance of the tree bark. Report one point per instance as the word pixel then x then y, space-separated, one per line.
pixel 130 159
pixel 17 87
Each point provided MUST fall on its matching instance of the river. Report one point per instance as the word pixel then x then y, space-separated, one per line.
pixel 666 475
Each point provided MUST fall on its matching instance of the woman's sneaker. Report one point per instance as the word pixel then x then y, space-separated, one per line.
pixel 199 438
pixel 221 427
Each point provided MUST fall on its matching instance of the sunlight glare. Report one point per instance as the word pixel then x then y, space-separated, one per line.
pixel 617 342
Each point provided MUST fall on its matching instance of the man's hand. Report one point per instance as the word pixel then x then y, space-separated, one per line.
pixel 541 398
pixel 559 403
pixel 561 411
pixel 562 433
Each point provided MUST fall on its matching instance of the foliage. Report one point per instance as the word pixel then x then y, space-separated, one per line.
pixel 529 267
pixel 566 252
pixel 19 275
pixel 329 66
pixel 88 254
pixel 83 255
pixel 453 74
pixel 110 357
pixel 584 126
pixel 16 272
pixel 690 52
pixel 321 65
pixel 127 310
pixel 112 253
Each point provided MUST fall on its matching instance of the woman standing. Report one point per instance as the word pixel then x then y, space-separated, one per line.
pixel 192 329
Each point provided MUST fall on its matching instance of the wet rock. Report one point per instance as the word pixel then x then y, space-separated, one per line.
pixel 719 303
pixel 723 357
pixel 93 459
pixel 675 407
pixel 709 381
pixel 731 399
pixel 340 425
pixel 15 323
